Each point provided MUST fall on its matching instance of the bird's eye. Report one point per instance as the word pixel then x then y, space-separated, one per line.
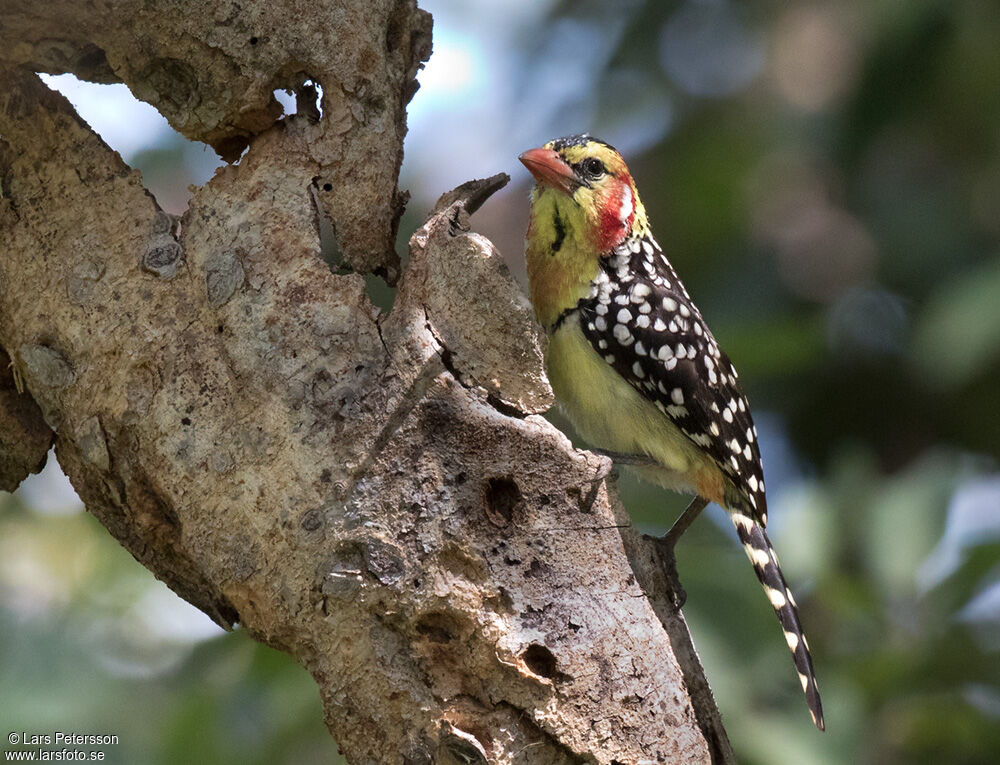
pixel 593 167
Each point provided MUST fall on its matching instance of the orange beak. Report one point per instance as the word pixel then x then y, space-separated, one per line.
pixel 550 169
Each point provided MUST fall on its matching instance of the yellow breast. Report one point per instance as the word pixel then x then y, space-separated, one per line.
pixel 612 415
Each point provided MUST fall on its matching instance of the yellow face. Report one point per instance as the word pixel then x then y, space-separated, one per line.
pixel 583 205
pixel 598 201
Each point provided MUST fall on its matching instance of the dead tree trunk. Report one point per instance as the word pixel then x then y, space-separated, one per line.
pixel 375 495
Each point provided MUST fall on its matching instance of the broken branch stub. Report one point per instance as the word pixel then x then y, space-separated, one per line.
pixel 479 321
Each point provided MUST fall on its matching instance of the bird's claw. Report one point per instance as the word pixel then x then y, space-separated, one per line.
pixel 668 561
pixel 606 470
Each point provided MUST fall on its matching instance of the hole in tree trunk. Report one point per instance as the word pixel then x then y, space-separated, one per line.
pixel 503 497
pixel 540 660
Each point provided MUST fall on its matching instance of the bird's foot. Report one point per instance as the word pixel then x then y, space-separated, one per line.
pixel 606 470
pixel 665 546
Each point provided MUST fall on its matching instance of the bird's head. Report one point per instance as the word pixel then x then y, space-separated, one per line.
pixel 583 205
pixel 588 184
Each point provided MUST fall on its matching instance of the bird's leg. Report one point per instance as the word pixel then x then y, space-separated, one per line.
pixel 635 460
pixel 665 544
pixel 684 520
pixel 668 542
pixel 627 459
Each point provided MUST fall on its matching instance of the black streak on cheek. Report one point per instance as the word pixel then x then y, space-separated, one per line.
pixel 557 243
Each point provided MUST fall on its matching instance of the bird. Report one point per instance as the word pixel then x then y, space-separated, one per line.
pixel 633 364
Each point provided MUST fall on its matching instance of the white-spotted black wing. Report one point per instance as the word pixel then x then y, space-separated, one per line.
pixel 640 319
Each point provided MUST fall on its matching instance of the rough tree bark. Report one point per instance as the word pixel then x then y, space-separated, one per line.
pixel 376 495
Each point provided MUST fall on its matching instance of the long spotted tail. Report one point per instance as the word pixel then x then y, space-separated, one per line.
pixel 765 563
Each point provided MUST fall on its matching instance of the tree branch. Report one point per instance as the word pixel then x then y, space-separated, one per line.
pixel 375 495
pixel 212 73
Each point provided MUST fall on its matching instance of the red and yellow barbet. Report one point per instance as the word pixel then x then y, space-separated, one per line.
pixel 634 365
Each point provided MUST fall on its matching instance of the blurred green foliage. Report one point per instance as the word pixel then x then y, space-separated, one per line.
pixel 826 178
pixel 89 643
